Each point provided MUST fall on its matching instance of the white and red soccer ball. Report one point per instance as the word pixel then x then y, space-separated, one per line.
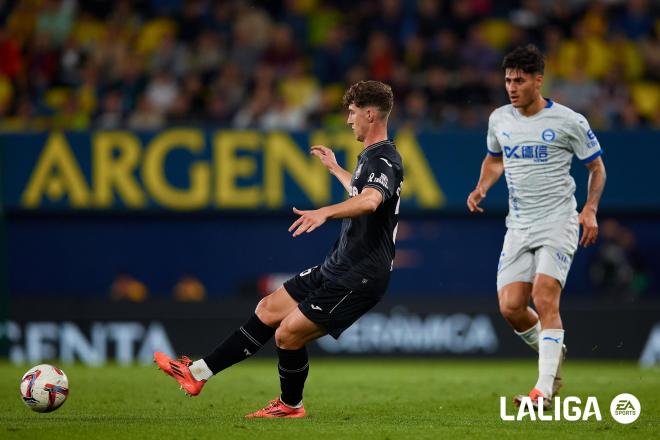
pixel 44 388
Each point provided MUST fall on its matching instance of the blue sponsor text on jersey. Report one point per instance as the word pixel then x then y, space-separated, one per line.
pixel 538 153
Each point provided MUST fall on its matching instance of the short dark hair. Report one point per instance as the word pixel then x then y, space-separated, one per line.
pixel 528 58
pixel 370 93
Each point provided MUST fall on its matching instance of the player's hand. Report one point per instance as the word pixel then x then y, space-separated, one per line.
pixel 308 221
pixel 587 219
pixel 326 155
pixel 475 198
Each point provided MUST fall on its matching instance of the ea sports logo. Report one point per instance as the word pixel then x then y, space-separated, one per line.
pixel 625 408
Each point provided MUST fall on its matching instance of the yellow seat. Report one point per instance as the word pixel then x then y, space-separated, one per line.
pixel 496 32
pixel 57 97
pixel 152 33
pixel 646 98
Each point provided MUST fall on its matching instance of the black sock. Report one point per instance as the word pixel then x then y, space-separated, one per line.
pixel 293 368
pixel 241 344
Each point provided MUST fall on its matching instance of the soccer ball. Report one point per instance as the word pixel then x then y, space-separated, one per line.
pixel 44 388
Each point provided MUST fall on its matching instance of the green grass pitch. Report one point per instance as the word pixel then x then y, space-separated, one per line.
pixel 364 399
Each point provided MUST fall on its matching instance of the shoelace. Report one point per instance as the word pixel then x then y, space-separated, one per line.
pixel 185 360
pixel 271 405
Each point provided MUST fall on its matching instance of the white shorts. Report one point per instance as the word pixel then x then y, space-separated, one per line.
pixel 547 248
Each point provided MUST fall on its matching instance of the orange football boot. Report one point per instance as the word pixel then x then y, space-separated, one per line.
pixel 179 370
pixel 534 396
pixel 277 409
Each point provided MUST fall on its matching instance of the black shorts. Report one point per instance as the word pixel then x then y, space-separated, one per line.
pixel 328 304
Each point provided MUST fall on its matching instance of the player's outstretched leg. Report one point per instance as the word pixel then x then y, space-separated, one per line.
pixel 180 371
pixel 243 343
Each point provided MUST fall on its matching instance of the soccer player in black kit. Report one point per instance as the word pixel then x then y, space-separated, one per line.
pixel 329 298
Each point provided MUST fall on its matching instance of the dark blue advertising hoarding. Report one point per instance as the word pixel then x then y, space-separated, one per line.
pixel 84 208
pixel 191 169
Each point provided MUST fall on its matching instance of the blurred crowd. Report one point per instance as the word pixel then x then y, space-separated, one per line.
pixel 618 269
pixel 284 64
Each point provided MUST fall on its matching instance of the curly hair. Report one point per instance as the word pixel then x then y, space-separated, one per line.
pixel 528 58
pixel 370 93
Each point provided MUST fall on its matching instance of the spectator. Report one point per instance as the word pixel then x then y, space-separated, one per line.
pixel 636 21
pixel 145 116
pixel 162 91
pixel 334 57
pixel 211 59
pixel 282 51
pixel 110 117
pixel 55 19
pixel 380 56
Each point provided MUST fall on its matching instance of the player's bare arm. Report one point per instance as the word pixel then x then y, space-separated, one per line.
pixel 587 218
pixel 364 203
pixel 328 159
pixel 491 169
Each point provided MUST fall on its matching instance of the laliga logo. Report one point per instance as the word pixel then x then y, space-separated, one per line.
pixel 625 408
pixel 568 407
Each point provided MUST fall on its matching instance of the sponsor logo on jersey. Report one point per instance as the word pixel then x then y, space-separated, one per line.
pixel 548 135
pixel 386 161
pixel 383 180
pixel 538 153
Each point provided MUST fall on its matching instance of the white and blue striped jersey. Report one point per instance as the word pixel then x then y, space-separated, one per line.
pixel 537 153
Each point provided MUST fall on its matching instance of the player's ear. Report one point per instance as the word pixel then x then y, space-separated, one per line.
pixel 539 80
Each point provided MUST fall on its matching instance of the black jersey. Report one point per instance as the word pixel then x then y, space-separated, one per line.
pixel 362 257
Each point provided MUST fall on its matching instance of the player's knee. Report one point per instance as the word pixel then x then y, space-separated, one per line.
pixel 510 311
pixel 265 313
pixel 286 339
pixel 546 305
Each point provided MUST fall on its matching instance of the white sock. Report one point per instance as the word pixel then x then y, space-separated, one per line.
pixel 200 371
pixel 531 335
pixel 550 347
pixel 299 405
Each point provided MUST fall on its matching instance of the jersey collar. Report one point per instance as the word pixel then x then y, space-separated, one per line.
pixel 373 147
pixel 548 104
